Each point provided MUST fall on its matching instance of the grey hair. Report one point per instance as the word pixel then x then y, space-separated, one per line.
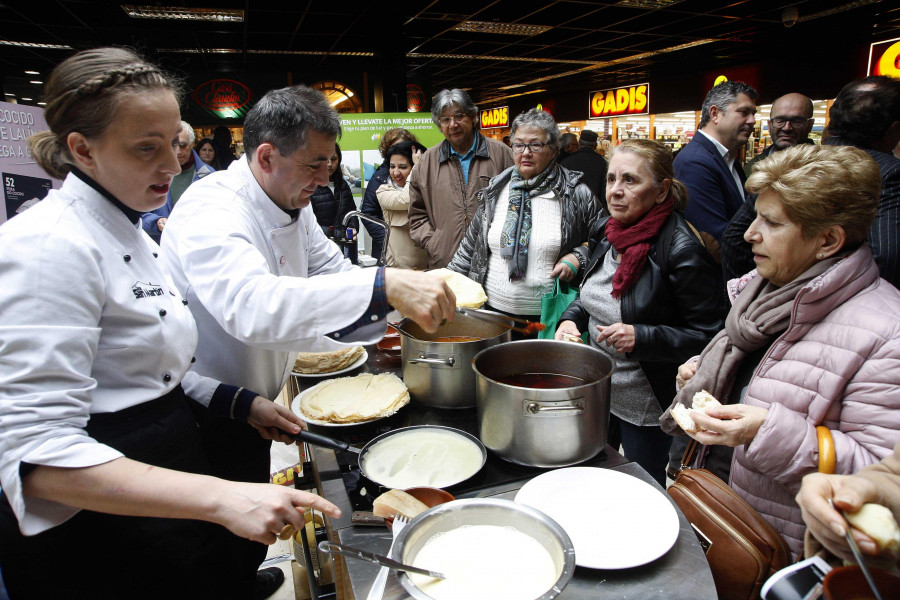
pixel 447 98
pixel 192 136
pixel 722 95
pixel 283 117
pixel 567 138
pixel 537 118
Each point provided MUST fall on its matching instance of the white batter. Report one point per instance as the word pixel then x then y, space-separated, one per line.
pixel 422 458
pixel 486 562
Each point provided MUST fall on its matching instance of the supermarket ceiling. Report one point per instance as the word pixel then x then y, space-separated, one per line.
pixel 494 48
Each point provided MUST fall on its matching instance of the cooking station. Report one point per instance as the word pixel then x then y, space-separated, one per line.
pixel 682 572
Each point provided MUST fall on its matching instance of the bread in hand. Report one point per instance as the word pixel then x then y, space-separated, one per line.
pixel 702 401
pixel 878 523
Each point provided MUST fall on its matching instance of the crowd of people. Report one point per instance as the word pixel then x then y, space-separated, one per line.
pixel 139 372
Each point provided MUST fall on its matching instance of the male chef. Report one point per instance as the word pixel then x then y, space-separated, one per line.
pixel 263 282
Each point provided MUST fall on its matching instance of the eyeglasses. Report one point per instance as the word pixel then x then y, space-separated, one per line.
pixel 535 147
pixel 458 117
pixel 794 121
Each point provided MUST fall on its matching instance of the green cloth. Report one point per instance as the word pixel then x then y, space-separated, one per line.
pixel 181 183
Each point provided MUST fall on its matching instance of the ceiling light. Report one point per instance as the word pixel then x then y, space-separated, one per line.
pixel 32 72
pixel 42 103
pixel 180 13
pixel 501 28
pixel 651 4
pixel 501 58
pixel 26 99
pixel 284 52
pixel 37 82
pixel 34 45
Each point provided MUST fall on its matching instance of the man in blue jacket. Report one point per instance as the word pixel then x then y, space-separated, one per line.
pixel 192 169
pixel 709 166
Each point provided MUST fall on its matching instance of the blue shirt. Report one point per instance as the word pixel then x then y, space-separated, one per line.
pixel 466 159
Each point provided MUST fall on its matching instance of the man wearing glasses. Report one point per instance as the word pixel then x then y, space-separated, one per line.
pixel 790 121
pixel 445 181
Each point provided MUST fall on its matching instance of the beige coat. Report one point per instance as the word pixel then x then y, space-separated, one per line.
pixel 401 251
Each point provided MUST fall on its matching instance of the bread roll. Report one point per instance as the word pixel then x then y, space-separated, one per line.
pixel 878 523
pixel 397 502
pixel 702 401
pixel 567 337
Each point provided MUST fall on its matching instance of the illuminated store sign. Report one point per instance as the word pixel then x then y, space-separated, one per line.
pixel 224 98
pixel 616 102
pixel 495 117
pixel 884 58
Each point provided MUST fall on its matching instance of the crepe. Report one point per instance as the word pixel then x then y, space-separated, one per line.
pixel 469 294
pixel 327 362
pixel 355 399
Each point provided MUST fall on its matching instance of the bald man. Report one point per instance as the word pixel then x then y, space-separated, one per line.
pixel 790 121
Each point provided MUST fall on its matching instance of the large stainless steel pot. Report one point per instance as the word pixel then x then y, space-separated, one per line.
pixel 440 373
pixel 486 511
pixel 543 427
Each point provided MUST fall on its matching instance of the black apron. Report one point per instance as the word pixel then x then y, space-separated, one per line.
pixel 98 555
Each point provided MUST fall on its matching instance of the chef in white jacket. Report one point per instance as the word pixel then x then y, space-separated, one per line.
pixel 263 281
pixel 103 476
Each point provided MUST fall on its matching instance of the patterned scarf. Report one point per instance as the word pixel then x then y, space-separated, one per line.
pixel 517 228
pixel 633 243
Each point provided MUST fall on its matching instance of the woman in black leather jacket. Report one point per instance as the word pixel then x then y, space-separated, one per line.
pixel 651 297
pixel 332 202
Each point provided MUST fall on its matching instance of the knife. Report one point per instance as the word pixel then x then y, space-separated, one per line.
pixel 330 547
pixel 858 556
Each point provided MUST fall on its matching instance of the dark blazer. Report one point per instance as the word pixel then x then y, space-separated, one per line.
pixel 713 198
pixel 676 308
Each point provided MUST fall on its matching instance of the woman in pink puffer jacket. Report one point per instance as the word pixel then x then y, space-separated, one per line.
pixel 813 339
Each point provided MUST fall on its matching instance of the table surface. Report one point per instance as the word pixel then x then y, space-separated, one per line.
pixel 682 572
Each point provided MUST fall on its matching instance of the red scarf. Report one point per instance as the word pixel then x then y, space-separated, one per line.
pixel 633 243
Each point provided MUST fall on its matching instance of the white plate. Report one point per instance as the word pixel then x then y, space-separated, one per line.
pixel 616 521
pixel 359 362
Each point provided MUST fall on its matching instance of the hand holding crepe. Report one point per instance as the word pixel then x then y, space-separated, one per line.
pixel 327 362
pixel 469 294
pixel 354 399
pixel 712 423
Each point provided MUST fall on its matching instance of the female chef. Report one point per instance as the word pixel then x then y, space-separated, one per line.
pixel 103 491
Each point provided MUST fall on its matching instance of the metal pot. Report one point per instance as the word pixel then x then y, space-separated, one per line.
pixel 440 373
pixel 485 511
pixel 543 427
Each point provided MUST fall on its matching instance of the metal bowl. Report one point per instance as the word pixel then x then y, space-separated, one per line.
pixel 486 511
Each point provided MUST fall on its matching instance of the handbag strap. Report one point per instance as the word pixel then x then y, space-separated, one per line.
pixel 827 457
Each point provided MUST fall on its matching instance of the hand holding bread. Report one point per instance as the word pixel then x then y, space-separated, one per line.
pixel 712 423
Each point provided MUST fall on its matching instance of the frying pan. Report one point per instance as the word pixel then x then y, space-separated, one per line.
pixel 328 442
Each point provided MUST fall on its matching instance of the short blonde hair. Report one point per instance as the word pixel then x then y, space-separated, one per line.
pixel 821 186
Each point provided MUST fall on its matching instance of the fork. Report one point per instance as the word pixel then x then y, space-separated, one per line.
pixel 377 590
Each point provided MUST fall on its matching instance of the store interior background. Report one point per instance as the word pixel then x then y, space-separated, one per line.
pixel 373 58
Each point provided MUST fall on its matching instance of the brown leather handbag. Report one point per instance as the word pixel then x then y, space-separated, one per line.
pixel 742 549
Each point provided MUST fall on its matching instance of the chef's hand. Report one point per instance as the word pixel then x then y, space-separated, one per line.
pixel 161 223
pixel 260 511
pixel 685 372
pixel 618 336
pixel 424 298
pixel 828 525
pixel 267 417
pixel 564 271
pixel 566 327
pixel 729 425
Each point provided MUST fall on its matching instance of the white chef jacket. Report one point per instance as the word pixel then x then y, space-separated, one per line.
pixel 89 323
pixel 261 285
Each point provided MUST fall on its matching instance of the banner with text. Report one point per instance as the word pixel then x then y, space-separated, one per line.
pixel 618 102
pixel 24 182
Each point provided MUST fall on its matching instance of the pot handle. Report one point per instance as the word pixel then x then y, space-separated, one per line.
pixel 533 408
pixel 449 361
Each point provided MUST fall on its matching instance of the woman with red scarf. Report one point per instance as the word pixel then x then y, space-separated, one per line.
pixel 651 297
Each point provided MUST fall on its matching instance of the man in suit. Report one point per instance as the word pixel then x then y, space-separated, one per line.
pixel 592 165
pixel 866 114
pixel 709 165
pixel 790 121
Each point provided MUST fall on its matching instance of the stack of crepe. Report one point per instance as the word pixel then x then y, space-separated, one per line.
pixel 469 294
pixel 327 362
pixel 355 399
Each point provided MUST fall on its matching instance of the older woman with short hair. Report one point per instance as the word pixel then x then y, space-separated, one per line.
pixel 650 297
pixel 531 223
pixel 812 339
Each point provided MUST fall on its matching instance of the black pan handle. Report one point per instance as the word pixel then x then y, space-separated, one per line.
pixel 321 440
